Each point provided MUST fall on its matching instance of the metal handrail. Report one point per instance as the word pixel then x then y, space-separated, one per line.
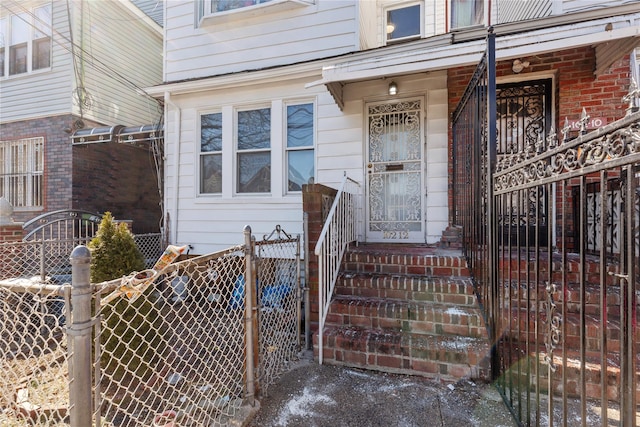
pixel 339 230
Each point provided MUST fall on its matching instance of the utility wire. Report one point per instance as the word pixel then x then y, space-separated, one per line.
pixel 96 63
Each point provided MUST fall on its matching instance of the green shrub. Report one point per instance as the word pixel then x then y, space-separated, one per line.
pixel 114 252
pixel 132 329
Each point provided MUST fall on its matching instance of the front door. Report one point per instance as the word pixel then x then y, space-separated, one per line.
pixel 395 184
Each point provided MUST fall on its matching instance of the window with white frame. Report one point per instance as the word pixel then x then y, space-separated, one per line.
pixel 216 11
pixel 466 13
pixel 25 41
pixel 21 172
pixel 300 160
pixel 253 150
pixel 211 153
pixel 403 23
pixel 225 5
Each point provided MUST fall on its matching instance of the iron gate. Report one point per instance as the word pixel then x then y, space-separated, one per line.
pixel 560 301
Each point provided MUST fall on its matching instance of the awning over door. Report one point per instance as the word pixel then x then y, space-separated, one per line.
pixel 141 136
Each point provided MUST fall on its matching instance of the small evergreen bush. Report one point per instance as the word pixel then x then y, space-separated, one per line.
pixel 132 329
pixel 114 252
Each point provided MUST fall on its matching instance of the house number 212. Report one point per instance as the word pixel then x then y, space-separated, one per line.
pixel 395 234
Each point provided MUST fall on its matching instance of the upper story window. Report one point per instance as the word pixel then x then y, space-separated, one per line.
pixel 466 13
pixel 25 41
pixel 404 23
pixel 21 172
pixel 224 5
pixel 253 148
pixel 300 160
pixel 211 153
pixel 221 11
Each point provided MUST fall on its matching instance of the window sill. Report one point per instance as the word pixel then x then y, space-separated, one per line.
pixel 235 15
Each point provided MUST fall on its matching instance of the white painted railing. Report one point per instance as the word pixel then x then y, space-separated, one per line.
pixel 339 230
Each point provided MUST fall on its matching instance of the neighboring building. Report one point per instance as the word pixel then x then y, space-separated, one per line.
pixel 66 69
pixel 262 97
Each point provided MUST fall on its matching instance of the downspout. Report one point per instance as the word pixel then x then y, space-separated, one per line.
pixel 173 213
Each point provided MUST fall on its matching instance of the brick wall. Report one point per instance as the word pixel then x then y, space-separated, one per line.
pixel 57 159
pixel 575 87
pixel 313 196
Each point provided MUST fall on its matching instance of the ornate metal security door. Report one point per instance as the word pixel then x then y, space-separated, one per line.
pixel 395 184
pixel 523 116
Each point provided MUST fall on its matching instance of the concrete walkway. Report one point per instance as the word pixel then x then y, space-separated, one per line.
pixel 313 395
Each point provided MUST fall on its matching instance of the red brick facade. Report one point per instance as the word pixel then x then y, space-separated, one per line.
pixel 576 87
pixel 314 196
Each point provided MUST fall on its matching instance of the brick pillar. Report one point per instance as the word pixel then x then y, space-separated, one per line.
pixel 316 202
pixel 10 231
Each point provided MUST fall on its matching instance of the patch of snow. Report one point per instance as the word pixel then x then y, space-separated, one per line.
pixel 358 373
pixel 455 311
pixel 302 405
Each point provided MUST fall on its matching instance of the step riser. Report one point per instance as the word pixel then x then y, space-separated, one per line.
pixel 570 335
pixel 442 266
pixel 402 317
pixel 400 354
pixel 410 288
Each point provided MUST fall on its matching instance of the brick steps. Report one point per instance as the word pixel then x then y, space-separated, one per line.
pixel 571 329
pixel 409 309
pixel 391 315
pixel 446 358
pixel 518 297
pixel 567 374
pixel 447 290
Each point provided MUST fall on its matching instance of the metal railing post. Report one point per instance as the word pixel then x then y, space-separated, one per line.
pixel 80 330
pixel 250 318
pixel 43 272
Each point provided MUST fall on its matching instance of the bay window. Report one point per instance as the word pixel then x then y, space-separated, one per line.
pixel 211 153
pixel 299 149
pixel 253 145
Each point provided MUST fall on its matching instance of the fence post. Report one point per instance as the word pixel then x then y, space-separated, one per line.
pixel 250 318
pixel 80 330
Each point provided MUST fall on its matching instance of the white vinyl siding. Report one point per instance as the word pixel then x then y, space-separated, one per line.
pixel 113 68
pixel 510 11
pixel 301 34
pixel 109 60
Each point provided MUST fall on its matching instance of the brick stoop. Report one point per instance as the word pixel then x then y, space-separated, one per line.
pixel 406 309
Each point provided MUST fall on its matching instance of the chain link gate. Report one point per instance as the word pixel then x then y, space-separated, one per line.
pixel 187 345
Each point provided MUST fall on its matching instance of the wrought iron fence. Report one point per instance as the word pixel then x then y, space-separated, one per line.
pixel 191 343
pixel 560 299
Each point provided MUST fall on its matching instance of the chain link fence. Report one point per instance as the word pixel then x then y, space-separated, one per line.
pixel 188 345
pixel 33 354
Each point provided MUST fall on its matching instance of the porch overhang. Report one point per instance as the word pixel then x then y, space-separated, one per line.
pixel 612 37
